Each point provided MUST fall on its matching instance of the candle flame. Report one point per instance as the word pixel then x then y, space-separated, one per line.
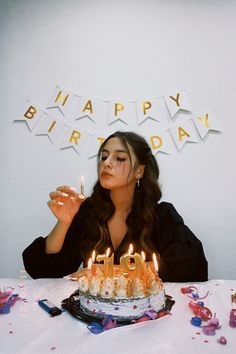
pixel 90 263
pixel 131 249
pixel 93 255
pixel 108 252
pixel 154 257
pixel 143 256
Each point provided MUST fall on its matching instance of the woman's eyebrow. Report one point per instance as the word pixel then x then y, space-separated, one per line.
pixel 118 150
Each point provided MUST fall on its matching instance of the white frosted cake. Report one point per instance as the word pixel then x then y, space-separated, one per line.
pixel 124 296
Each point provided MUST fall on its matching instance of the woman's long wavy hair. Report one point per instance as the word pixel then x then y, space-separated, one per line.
pixel 142 216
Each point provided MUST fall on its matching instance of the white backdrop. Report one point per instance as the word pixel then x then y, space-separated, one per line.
pixel 112 49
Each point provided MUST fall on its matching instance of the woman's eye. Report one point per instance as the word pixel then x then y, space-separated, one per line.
pixel 121 159
pixel 103 158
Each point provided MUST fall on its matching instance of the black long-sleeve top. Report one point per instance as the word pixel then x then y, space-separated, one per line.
pixel 181 255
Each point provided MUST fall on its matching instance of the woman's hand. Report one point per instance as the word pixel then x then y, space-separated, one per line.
pixel 65 203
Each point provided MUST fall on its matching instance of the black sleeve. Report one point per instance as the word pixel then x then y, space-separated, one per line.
pixel 39 264
pixel 182 258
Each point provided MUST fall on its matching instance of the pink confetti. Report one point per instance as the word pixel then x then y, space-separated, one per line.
pixel 206 341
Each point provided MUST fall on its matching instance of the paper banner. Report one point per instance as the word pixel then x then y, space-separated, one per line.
pixel 119 110
pixel 61 101
pixel 90 107
pixel 184 133
pixel 73 137
pixel 31 115
pixel 149 108
pixel 206 121
pixel 177 101
pixel 96 141
pixel 50 126
pixel 159 141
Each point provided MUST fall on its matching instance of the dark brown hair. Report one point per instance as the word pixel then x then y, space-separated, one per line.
pixel 142 216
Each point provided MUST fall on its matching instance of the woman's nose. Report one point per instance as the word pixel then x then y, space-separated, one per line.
pixel 108 162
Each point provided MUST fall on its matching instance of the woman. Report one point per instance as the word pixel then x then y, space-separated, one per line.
pixel 122 209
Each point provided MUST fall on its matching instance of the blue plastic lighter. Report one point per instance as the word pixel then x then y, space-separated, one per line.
pixel 48 306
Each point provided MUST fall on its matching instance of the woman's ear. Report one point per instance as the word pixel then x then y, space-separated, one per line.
pixel 140 171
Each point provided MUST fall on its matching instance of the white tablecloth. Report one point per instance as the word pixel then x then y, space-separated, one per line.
pixel 29 329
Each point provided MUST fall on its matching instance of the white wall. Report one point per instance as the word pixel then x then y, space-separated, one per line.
pixel 111 49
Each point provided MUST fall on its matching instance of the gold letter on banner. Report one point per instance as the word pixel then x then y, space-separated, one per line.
pixel 31 111
pixel 63 98
pixel 146 105
pixel 182 133
pixel 152 138
pixel 75 136
pixel 176 99
pixel 204 120
pixel 52 126
pixel 101 140
pixel 88 106
pixel 118 107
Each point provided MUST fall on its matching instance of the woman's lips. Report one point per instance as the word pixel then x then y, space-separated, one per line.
pixel 105 175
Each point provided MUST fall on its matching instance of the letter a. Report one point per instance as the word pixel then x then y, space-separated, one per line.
pixel 182 133
pixel 88 107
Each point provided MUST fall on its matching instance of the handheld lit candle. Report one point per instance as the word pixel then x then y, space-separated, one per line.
pixel 82 185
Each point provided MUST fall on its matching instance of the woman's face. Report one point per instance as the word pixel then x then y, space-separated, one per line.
pixel 116 170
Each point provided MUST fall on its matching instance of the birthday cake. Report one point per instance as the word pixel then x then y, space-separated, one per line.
pixel 124 295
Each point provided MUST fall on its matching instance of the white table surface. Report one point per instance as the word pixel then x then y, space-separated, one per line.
pixel 29 329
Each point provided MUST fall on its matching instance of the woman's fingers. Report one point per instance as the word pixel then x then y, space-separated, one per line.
pixel 61 195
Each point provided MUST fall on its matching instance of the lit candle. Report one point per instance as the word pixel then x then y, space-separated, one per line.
pixel 108 263
pixel 154 257
pixel 126 265
pixel 131 249
pixel 144 259
pixel 89 267
pixel 82 185
pixel 93 266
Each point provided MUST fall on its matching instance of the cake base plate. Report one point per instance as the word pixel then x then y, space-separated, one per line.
pixel 72 305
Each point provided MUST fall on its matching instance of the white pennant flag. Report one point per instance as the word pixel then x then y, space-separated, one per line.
pixel 149 108
pixel 206 121
pixel 177 101
pixel 31 115
pixel 50 126
pixel 159 141
pixel 73 137
pixel 183 133
pixel 119 110
pixel 96 140
pixel 90 107
pixel 61 102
